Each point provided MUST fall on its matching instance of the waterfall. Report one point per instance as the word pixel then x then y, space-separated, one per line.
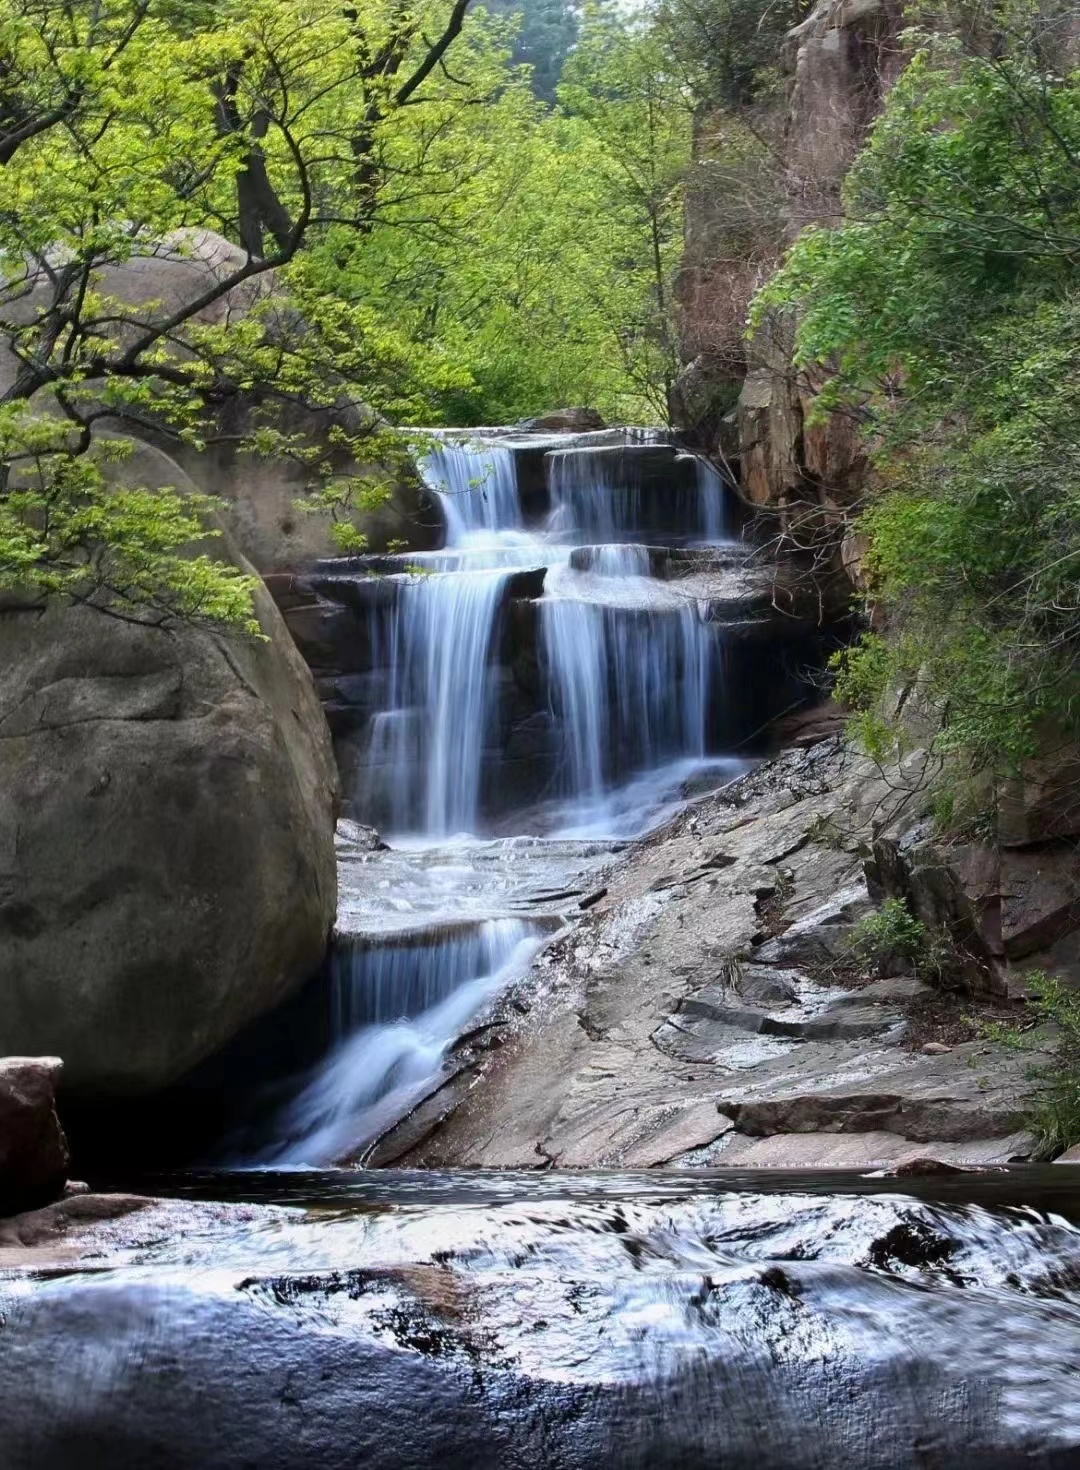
pixel 397 1005
pixel 631 687
pixel 427 744
pixel 612 494
pixel 595 494
pixel 477 487
pixel 547 670
pixel 621 560
pixel 712 499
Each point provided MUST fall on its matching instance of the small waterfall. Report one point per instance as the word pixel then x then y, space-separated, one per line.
pixel 621 560
pixel 397 1006
pixel 426 746
pixel 712 498
pixel 608 495
pixel 593 494
pixel 631 688
pixel 477 486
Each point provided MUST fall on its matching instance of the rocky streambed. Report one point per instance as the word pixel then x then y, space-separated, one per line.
pixel 708 1010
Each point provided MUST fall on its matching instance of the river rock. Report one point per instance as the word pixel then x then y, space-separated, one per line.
pixel 33 1150
pixel 710 1012
pixel 167 803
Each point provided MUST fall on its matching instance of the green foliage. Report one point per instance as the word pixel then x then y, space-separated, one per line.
pixel 891 935
pixel 68 529
pixel 945 315
pixel 1056 1118
pixel 729 49
pixel 416 241
pixel 547 30
pixel 545 276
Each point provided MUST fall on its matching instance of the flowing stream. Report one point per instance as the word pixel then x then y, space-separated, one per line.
pixel 628 679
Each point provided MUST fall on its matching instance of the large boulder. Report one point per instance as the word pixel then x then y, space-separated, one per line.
pixel 167 804
pixel 563 421
pixel 33 1151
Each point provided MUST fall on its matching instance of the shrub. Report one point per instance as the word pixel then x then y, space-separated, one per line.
pixel 1056 1117
pixel 889 937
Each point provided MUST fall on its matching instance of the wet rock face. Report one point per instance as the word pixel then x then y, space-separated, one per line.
pixel 167 803
pixel 33 1151
pixel 559 1323
pixel 707 1010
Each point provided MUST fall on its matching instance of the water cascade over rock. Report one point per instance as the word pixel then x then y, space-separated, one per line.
pixel 506 708
pixel 396 1003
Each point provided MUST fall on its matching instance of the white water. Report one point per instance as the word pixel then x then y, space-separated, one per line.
pixel 631 675
pixel 397 1008
pixel 619 560
pixel 713 500
pixel 476 485
pixel 438 648
pixel 632 688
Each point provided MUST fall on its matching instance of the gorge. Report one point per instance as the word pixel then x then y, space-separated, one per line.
pixel 491 998
pixel 539 756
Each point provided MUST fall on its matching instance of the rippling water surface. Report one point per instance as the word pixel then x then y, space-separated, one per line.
pixel 405 1319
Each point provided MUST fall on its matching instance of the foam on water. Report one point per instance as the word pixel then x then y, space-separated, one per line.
pixel 397 1006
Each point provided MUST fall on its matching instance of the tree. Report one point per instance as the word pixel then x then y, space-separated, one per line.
pixel 621 84
pixel 126 128
pixel 547 32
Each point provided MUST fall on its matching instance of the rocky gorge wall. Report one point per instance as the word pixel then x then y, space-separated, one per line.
pixel 837 65
pixel 806 475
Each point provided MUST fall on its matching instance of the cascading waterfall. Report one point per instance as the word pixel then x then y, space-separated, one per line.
pixel 631 687
pixel 593 494
pixel 428 743
pixel 624 559
pixel 397 1006
pixel 618 674
pixel 477 487
pixel 610 496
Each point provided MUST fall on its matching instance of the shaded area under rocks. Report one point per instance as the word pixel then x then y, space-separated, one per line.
pixel 707 1011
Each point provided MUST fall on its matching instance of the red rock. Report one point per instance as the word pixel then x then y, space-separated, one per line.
pixel 33 1150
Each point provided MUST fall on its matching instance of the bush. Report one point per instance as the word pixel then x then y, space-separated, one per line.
pixel 1056 1118
pixel 890 937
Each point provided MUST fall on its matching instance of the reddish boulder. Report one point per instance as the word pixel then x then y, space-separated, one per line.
pixel 33 1150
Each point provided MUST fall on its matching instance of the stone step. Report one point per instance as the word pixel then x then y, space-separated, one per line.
pixel 713 1008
